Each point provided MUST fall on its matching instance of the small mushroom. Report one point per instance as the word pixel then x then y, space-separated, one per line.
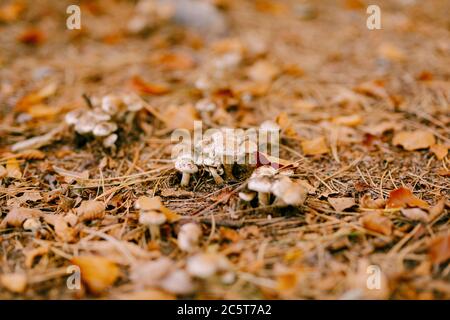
pixel 178 282
pixel 104 129
pixel 85 124
pixel 261 182
pixel 110 140
pixel 247 196
pixel 189 236
pixel 111 104
pixel 73 117
pixel 186 166
pixel 32 224
pixel 205 265
pixel 133 102
pixel 150 214
pixel 288 192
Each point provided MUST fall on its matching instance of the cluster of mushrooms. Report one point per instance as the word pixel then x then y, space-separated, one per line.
pixel 266 181
pixel 218 152
pixel 104 118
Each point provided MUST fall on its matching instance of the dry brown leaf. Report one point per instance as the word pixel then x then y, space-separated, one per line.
pixel 180 117
pixel 10 12
pixel 263 71
pixel 14 282
pixel 34 98
pixel 35 142
pixel 439 249
pixel 32 196
pixel 402 197
pixel 91 210
pixel 97 273
pixel 31 154
pixel 340 204
pixel 439 150
pixel 380 128
pixel 437 209
pixel 374 221
pixel 286 125
pixel 367 202
pixel 415 214
pixel 315 146
pixel 414 140
pixel 349 121
pixel 143 87
pixel 17 215
pixel 62 229
pixel 13 169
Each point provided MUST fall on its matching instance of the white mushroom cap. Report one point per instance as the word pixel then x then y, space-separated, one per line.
pixel 85 124
pixel 264 171
pixel 111 104
pixel 185 164
pixel 99 115
pixel 133 102
pixel 269 125
pixel 189 236
pixel 205 105
pixel 152 218
pixel 178 282
pixel 289 192
pixel 110 140
pixel 247 196
pixel 152 272
pixel 260 184
pixel 104 129
pixel 32 224
pixel 204 265
pixel 73 117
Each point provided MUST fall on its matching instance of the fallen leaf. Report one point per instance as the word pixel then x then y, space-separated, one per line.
pixel 340 204
pixel 376 222
pixel 34 98
pixel 97 273
pixel 439 249
pixel 349 121
pixel 439 150
pixel 14 282
pixel 380 128
pixel 31 154
pixel 437 209
pixel 32 196
pixel 62 229
pixel 13 169
pixel 315 146
pixel 17 215
pixel 414 140
pixel 36 142
pixel 368 203
pixel 91 210
pixel 180 117
pixel 402 197
pixel 32 36
pixel 143 87
pixel 415 214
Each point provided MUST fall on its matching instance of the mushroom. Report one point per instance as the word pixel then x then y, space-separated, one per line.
pixel 288 192
pixel 178 282
pixel 85 124
pixel 247 196
pixel 133 102
pixel 261 182
pixel 186 166
pixel 73 117
pixel 205 265
pixel 32 224
pixel 111 104
pixel 150 214
pixel 189 236
pixel 104 129
pixel 110 140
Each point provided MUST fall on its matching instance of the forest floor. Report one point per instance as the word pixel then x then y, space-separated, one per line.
pixel 365 125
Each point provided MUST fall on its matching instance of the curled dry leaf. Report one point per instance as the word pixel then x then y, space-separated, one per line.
pixel 14 282
pixel 17 215
pixel 374 221
pixel 62 229
pixel 414 140
pixel 439 150
pixel 369 203
pixel 315 146
pixel 402 197
pixel 439 249
pixel 91 210
pixel 143 87
pixel 340 204
pixel 97 273
pixel 415 214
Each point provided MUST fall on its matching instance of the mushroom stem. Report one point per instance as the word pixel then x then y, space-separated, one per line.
pixel 185 179
pixel 264 198
pixel 217 178
pixel 154 232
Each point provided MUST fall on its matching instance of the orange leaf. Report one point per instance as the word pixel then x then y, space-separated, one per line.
pixel 315 146
pixel 439 150
pixel 403 197
pixel 439 249
pixel 144 87
pixel 414 140
pixel 98 273
pixel 378 223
